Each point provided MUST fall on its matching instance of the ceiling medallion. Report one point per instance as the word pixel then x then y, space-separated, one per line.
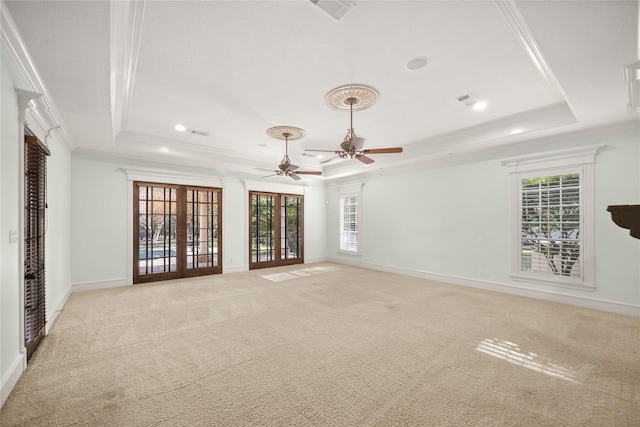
pixel 285 132
pixel 342 98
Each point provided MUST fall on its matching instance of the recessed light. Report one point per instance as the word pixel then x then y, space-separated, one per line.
pixel 480 105
pixel 320 156
pixel 417 63
pixel 180 128
pixel 164 150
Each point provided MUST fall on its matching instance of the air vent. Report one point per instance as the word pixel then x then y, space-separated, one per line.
pixel 469 100
pixel 198 132
pixel 336 8
pixel 314 156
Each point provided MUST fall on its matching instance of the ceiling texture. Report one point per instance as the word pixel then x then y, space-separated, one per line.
pixel 119 76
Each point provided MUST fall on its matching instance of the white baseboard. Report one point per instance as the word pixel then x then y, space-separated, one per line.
pixel 596 304
pixel 90 286
pixel 9 381
pixel 314 260
pixel 233 269
pixel 240 268
pixel 58 308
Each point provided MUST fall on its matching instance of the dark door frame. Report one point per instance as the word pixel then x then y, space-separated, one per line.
pixel 181 234
pixel 277 261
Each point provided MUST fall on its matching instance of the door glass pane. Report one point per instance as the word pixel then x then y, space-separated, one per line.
pixel 157 220
pixel 202 229
pixel 263 228
pixel 291 230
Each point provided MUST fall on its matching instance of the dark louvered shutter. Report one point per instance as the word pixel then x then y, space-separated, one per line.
pixel 35 189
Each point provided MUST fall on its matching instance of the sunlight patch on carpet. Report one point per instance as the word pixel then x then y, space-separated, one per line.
pixel 512 353
pixel 281 277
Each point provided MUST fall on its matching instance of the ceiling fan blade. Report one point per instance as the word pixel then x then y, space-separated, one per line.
pixel 267 176
pixel 356 143
pixel 383 150
pixel 364 159
pixel 309 172
pixel 291 168
pixel 295 177
pixel 321 151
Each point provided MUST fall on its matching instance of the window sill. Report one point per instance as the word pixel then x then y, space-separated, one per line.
pixel 553 283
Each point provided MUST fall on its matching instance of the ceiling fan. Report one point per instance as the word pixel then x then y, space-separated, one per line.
pixel 346 97
pixel 285 168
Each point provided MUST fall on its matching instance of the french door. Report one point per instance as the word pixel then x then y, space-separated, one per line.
pixel 177 231
pixel 276 229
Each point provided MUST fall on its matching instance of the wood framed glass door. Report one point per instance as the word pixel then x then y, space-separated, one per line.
pixel 202 249
pixel 176 231
pixel 276 229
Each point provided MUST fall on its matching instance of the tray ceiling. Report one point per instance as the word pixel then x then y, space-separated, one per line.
pixel 122 74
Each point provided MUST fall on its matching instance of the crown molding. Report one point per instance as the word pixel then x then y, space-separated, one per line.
pixel 272 187
pixel 171 177
pixel 126 31
pixel 223 158
pixel 553 159
pixel 516 22
pixel 43 115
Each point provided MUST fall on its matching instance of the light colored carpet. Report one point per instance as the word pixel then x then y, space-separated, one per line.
pixel 327 345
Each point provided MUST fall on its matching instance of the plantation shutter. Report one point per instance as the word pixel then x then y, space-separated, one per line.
pixel 349 223
pixel 550 225
pixel 35 188
pixel 350 213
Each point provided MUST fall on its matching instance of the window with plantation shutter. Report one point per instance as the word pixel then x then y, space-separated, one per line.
pixel 550 225
pixel 35 199
pixel 349 221
pixel 553 237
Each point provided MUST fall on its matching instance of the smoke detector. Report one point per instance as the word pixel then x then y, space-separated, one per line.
pixel 336 8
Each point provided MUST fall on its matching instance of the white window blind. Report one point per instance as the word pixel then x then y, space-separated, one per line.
pixel 349 222
pixel 550 224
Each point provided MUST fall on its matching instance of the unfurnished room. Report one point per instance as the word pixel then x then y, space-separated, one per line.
pixel 320 213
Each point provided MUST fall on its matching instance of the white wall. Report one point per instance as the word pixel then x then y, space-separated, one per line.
pixel 99 207
pixel 99 217
pixel 315 223
pixel 9 256
pixel 57 256
pixel 58 228
pixel 234 221
pixel 617 253
pixel 450 222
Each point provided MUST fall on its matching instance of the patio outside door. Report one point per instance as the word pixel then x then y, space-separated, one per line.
pixel 176 231
pixel 276 230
